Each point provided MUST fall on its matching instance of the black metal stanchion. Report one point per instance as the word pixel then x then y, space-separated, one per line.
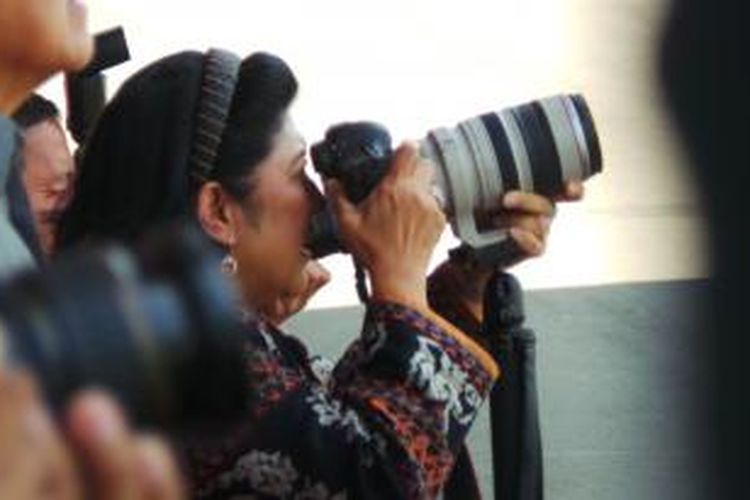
pixel 514 409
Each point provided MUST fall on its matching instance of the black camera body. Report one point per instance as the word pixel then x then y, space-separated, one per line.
pixel 85 90
pixel 356 154
pixel 159 328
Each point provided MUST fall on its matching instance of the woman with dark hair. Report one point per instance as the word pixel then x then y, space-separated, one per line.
pixel 141 168
pixel 209 138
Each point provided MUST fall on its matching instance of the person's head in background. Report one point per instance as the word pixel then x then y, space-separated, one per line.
pixel 705 70
pixel 254 200
pixel 48 166
pixel 38 38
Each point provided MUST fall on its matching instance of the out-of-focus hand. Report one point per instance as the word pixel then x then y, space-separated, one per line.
pixel 34 461
pixel 102 458
pixel 120 463
pixel 289 305
pixel 394 230
pixel 528 218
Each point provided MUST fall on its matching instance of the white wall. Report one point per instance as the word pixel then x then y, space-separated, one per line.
pixel 415 64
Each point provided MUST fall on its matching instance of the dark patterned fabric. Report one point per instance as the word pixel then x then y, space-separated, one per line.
pixel 517 458
pixel 443 300
pixel 388 424
pixel 462 484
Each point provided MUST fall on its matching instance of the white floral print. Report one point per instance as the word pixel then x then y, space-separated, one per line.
pixel 330 413
pixel 273 474
pixel 268 473
pixel 443 381
pixel 322 368
pixel 317 491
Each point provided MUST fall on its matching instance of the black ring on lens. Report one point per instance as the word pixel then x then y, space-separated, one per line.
pixel 506 162
pixel 589 131
pixel 546 169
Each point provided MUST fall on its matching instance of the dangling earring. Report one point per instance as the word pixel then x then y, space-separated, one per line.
pixel 229 265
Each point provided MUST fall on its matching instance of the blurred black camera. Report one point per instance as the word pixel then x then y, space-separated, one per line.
pixel 85 90
pixel 159 328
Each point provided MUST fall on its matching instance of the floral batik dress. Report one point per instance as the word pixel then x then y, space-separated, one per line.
pixel 388 423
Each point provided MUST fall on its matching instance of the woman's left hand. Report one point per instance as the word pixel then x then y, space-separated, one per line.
pixel 288 305
pixel 528 218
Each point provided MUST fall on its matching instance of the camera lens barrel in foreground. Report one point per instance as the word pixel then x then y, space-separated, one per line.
pixel 159 329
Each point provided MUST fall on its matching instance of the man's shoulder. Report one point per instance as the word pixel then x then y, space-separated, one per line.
pixel 14 254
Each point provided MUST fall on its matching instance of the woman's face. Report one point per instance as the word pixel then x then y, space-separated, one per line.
pixel 48 177
pixel 270 247
pixel 41 37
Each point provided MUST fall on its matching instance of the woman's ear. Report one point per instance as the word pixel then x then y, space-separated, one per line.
pixel 218 214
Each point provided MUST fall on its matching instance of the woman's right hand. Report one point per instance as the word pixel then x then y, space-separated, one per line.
pixel 395 229
pixel 288 305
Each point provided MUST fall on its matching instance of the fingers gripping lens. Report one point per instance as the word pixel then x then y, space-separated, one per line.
pixel 535 147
